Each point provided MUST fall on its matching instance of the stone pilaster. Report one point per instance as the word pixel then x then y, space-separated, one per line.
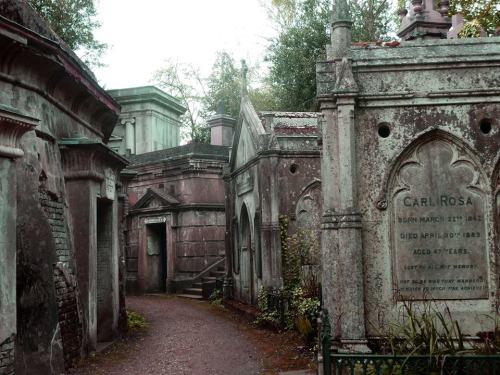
pixel 90 171
pixel 13 125
pixel 342 249
pixel 130 139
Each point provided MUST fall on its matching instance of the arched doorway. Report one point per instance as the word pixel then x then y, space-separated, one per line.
pixel 246 259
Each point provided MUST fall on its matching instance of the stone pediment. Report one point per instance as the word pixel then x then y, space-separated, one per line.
pixel 155 199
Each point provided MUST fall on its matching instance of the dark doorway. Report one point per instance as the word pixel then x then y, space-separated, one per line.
pixel 104 270
pixel 156 258
pixel 246 268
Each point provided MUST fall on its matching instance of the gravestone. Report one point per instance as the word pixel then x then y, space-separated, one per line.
pixel 439 233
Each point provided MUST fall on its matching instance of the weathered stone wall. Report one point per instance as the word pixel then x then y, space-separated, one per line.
pixel 200 240
pixel 65 283
pixel 415 124
pixel 47 86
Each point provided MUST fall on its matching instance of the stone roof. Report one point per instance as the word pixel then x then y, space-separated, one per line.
pixel 198 150
pixel 21 13
pixel 146 94
pixel 289 123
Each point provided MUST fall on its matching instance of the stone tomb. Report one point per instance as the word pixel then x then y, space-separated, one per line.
pixel 438 224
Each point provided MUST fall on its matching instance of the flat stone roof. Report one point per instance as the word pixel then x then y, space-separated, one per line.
pixel 145 94
pixel 193 150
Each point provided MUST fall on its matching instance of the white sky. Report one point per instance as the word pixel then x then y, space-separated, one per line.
pixel 143 33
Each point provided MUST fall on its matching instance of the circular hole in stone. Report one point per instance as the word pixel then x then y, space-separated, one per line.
pixel 384 130
pixel 293 168
pixel 485 125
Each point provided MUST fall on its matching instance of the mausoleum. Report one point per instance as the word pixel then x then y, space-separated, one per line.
pixel 410 166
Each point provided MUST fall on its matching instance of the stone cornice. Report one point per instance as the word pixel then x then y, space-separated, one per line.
pixel 86 159
pixel 13 124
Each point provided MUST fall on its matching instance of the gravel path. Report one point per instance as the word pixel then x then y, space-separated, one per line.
pixel 184 337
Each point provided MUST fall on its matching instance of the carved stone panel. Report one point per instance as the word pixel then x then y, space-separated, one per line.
pixel 244 183
pixel 308 209
pixel 438 225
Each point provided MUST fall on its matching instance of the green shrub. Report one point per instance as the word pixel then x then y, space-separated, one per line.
pixel 136 320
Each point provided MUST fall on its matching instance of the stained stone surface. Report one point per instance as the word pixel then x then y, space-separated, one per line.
pixel 439 233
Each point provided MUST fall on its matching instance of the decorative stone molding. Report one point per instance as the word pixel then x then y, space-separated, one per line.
pixel 342 220
pixel 86 159
pixel 13 124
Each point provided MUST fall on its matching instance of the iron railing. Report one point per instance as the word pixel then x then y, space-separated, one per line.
pixel 376 364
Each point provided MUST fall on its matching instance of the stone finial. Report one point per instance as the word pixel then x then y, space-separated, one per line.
pixel 425 22
pixel 340 12
pixel 244 83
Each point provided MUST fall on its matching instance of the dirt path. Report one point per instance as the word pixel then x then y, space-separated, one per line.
pixel 194 338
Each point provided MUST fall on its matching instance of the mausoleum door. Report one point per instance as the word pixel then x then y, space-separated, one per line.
pixel 246 259
pixel 156 257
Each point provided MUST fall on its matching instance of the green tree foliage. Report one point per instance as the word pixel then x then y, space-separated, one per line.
pixel 184 82
pixel 74 21
pixel 223 86
pixel 482 13
pixel 294 53
pixel 203 97
pixel 302 26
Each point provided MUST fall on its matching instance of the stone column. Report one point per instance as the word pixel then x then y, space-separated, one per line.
pixel 129 124
pixel 12 126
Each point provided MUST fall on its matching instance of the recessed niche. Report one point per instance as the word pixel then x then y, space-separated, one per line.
pixel 384 130
pixel 485 125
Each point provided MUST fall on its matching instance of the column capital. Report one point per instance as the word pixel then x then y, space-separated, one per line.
pixel 13 124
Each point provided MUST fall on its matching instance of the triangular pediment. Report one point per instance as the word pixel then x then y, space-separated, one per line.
pixel 246 139
pixel 154 199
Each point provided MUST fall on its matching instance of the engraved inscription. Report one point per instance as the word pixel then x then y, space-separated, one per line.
pixel 439 232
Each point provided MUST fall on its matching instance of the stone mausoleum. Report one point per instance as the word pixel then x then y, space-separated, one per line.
pixel 410 172
pixel 149 120
pixel 60 289
pixel 176 215
pixel 274 171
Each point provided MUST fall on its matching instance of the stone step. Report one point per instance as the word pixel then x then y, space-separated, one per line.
pixel 195 291
pixel 209 279
pixel 218 273
pixel 189 296
pixel 197 285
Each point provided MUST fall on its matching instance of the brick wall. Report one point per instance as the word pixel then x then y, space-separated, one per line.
pixel 7 357
pixel 69 317
pixel 54 209
pixel 70 321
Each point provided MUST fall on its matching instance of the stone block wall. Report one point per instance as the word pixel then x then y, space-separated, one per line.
pixel 7 357
pixel 200 241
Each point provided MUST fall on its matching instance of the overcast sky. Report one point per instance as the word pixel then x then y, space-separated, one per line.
pixel 143 33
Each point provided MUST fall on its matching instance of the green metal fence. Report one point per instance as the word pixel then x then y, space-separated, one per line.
pixel 368 364
pixel 376 364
